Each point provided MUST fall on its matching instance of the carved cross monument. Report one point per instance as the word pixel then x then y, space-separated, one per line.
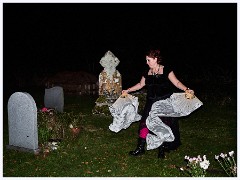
pixel 110 81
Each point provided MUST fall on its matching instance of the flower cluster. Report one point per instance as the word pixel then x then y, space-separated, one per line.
pixel 44 109
pixel 196 166
pixel 228 163
pixel 49 125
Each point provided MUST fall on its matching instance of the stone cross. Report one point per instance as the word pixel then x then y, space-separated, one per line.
pixel 54 98
pixel 110 81
pixel 22 123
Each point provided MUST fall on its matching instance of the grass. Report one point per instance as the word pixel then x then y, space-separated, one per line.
pixel 98 152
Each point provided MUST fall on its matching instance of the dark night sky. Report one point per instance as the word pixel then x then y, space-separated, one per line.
pixel 46 38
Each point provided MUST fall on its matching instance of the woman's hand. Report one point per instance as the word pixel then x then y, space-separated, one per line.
pixel 189 93
pixel 124 92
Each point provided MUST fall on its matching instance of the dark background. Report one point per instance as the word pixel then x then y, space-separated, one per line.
pixel 40 39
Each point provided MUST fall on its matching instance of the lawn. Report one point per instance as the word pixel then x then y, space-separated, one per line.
pixel 98 152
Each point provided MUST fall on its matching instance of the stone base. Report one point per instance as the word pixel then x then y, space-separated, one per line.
pixel 22 149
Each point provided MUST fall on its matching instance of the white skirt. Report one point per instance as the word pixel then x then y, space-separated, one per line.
pixel 124 112
pixel 177 105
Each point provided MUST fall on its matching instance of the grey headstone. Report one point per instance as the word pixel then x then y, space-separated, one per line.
pixel 22 122
pixel 54 98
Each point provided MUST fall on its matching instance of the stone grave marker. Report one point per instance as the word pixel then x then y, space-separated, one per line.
pixel 110 84
pixel 54 98
pixel 22 123
pixel 110 80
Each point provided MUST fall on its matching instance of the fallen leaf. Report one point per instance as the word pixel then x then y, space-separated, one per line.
pixel 172 166
pixel 89 172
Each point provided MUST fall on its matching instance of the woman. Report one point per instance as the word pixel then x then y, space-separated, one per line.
pixel 159 80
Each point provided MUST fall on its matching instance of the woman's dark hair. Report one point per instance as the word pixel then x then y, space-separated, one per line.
pixel 154 53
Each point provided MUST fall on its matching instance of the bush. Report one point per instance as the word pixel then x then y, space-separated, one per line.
pixel 54 125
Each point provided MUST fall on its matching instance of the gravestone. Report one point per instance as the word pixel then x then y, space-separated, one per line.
pixel 22 123
pixel 110 80
pixel 54 98
pixel 110 84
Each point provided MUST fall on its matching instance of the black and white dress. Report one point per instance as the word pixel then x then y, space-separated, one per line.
pixel 161 110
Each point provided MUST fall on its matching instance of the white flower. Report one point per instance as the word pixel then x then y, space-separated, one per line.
pixel 186 157
pixel 197 166
pixel 222 155
pixel 54 148
pixel 199 158
pixel 54 143
pixel 228 163
pixel 71 126
pixel 204 164
pixel 231 153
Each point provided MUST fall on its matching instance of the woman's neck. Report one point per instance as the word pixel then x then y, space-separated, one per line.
pixel 156 69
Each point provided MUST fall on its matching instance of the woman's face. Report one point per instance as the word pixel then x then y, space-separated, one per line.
pixel 151 62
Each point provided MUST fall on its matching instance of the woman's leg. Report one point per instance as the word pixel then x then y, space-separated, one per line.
pixel 167 146
pixel 172 122
pixel 142 132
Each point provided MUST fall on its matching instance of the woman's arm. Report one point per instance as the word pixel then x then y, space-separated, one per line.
pixel 136 87
pixel 177 83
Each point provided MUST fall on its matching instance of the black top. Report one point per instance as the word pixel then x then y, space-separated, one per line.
pixel 158 86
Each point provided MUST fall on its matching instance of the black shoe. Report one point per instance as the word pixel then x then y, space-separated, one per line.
pixel 140 148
